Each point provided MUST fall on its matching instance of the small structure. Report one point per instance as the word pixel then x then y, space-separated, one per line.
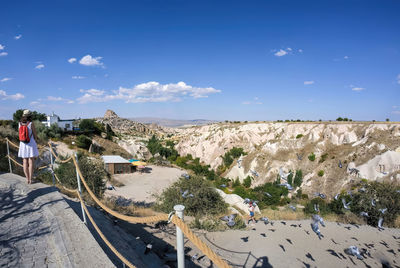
pixel 115 164
pixel 65 124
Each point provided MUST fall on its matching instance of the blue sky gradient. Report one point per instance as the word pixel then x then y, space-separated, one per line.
pixel 238 60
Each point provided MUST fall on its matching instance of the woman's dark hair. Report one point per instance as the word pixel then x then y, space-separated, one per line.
pixel 26 118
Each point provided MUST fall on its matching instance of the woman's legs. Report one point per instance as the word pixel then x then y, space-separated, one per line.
pixel 31 167
pixel 26 168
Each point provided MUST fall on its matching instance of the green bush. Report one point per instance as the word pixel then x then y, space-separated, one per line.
pixel 92 170
pixel 231 155
pixel 45 133
pixel 323 158
pixel 311 157
pixel 321 173
pixel 299 136
pixel 241 191
pixel 247 182
pixel 298 178
pixel 205 200
pixel 236 183
pixel 323 206
pixel 90 125
pixel 83 141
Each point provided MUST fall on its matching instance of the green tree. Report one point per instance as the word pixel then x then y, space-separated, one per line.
pixel 90 125
pixel 298 178
pixel 311 157
pixel 34 115
pixel 83 141
pixel 247 182
pixel 339 119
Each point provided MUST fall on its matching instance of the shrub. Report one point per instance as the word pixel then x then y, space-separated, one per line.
pixel 323 158
pixel 241 191
pixel 323 206
pixel 205 200
pixel 90 125
pixel 298 178
pixel 311 157
pixel 339 119
pixel 83 141
pixel 231 155
pixel 236 183
pixel 299 136
pixel 321 173
pixel 247 182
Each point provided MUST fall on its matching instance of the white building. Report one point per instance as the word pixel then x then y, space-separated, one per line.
pixel 65 124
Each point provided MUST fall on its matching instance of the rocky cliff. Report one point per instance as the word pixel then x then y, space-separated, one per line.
pixel 372 149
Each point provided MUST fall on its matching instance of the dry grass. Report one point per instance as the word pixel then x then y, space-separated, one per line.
pixel 283 214
pixel 130 210
pixel 397 222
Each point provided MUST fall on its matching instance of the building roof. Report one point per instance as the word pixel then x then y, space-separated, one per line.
pixel 108 159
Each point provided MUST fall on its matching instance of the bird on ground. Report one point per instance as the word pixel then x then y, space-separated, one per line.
pixel 292 207
pixel 283 175
pixel 245 239
pixel 263 234
pixel 336 197
pixel 364 214
pixel 373 203
pixel 380 222
pixel 254 172
pixel 223 185
pixel 195 257
pixel 229 219
pixel 382 210
pixel 346 205
pixel 323 196
pixel 340 164
pixel 354 251
pixel 148 248
pixel 185 193
pixel 299 157
pixel 287 185
pixel 111 187
pixel 316 207
pixel 265 220
pixel 267 194
pixel 186 176
pixel 362 190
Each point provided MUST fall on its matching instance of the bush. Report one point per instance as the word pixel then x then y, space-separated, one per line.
pixel 83 141
pixel 45 133
pixel 298 178
pixel 311 157
pixel 323 206
pixel 205 200
pixel 323 158
pixel 247 182
pixel 92 170
pixel 90 125
pixel 236 183
pixel 241 191
pixel 299 136
pixel 231 155
pixel 321 173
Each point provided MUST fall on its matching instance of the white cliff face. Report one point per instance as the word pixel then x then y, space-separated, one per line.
pixel 274 145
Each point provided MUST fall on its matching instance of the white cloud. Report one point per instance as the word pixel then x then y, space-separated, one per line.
pixel 300 50
pixel 51 98
pixel 398 79
pixel 2 47
pixel 3 54
pixel 5 96
pixel 70 101
pixel 396 112
pixel 148 92
pixel 289 49
pixel 88 60
pixel 17 37
pixel 346 57
pixel 308 82
pixel 78 77
pixel 72 60
pixel 357 88
pixel 280 53
pixel 40 66
pixel 246 102
pixel 5 79
pixel 256 101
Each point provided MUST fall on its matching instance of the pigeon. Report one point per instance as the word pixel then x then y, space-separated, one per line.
pixel 148 248
pixel 364 214
pixel 292 207
pixel 318 219
pixel 246 201
pixel 267 194
pixel 373 203
pixel 239 161
pixel 287 185
pixel 316 207
pixel 336 197
pixel 299 157
pixel 315 228
pixel 354 251
pixel 340 164
pixel 346 205
pixel 223 186
pixel 283 175
pixel 362 190
pixel 229 219
pixel 320 195
pixel 185 193
pixel 186 176
pixel 245 239
pixel 380 222
pixel 283 222
pixel 111 187
pixel 383 210
pixel 263 234
pixel 254 172
pixel 195 257
pixel 265 220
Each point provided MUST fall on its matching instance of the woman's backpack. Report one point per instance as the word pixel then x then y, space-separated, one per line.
pixel 24 133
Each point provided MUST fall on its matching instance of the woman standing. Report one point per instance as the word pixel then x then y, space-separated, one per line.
pixel 28 151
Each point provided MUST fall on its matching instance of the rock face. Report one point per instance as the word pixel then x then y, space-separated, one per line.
pixel 123 125
pixel 271 146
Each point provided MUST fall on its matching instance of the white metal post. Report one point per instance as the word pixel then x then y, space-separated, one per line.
pixel 179 238
pixel 52 170
pixel 8 154
pixel 80 189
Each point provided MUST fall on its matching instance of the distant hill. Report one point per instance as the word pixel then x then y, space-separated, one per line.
pixel 172 122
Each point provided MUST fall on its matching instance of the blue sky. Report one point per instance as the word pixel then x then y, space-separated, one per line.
pixel 222 60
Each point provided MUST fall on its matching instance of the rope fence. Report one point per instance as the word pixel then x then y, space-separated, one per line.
pixel 217 260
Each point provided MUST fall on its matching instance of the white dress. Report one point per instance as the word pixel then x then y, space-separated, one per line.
pixel 27 150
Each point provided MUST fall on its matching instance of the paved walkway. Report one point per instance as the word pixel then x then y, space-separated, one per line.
pixel 39 229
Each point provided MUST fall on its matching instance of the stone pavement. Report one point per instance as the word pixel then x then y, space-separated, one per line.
pixel 39 229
